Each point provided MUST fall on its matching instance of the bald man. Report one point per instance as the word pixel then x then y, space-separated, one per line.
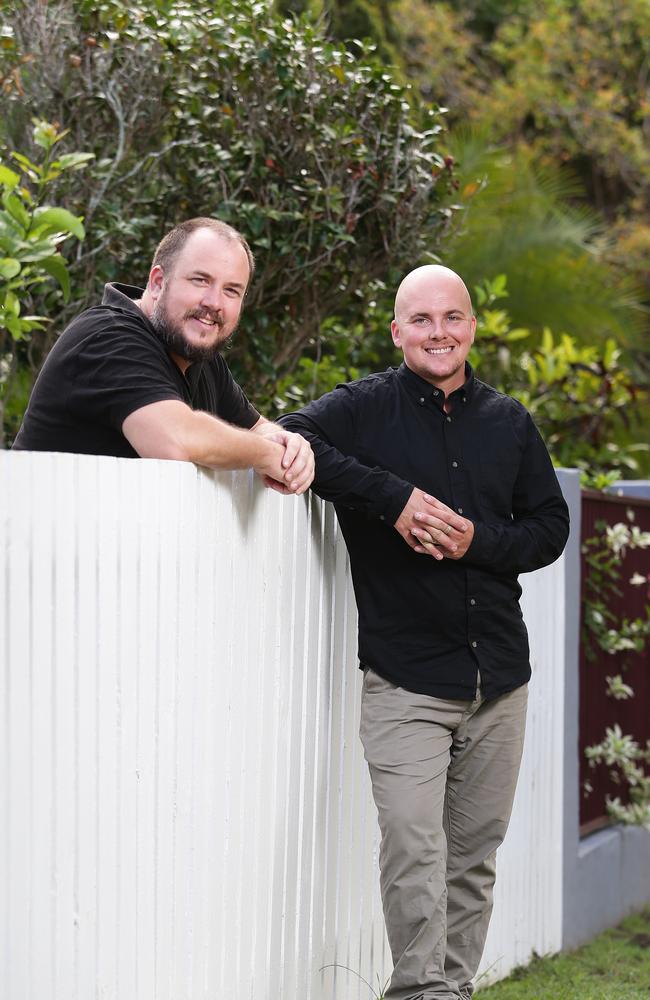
pixel 445 493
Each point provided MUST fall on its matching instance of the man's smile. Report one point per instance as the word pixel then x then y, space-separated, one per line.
pixel 205 318
pixel 438 350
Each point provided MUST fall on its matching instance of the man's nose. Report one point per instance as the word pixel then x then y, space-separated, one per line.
pixel 212 297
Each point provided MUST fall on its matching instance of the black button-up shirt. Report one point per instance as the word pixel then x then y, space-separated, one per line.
pixel 424 624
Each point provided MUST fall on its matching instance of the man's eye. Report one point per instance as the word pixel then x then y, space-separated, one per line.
pixel 199 281
pixel 233 292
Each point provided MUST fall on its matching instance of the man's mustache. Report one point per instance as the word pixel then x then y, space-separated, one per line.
pixel 212 315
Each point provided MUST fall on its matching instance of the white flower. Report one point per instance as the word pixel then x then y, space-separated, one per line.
pixel 639 539
pixel 638 580
pixel 618 536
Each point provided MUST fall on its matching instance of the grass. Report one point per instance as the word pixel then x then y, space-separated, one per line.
pixel 614 966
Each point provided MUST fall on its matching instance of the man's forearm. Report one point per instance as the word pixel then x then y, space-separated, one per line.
pixel 343 479
pixel 171 430
pixel 218 445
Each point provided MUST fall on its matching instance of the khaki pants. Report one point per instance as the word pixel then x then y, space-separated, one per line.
pixel 443 778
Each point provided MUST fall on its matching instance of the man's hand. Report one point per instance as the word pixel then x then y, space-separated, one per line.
pixel 297 461
pixel 432 528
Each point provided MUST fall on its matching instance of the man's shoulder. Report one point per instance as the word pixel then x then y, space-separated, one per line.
pixel 486 395
pixel 370 385
pixel 102 326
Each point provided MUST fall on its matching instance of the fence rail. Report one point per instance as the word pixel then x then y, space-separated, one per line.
pixel 186 808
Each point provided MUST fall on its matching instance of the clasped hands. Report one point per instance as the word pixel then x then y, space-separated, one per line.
pixel 431 528
pixel 296 470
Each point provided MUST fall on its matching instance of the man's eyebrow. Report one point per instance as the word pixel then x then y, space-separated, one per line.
pixel 198 273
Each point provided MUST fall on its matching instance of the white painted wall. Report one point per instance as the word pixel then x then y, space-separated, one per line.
pixel 186 810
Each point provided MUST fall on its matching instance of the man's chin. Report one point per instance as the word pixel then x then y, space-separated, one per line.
pixel 193 352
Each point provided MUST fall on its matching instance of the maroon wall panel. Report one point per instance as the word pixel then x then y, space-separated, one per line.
pixel 597 709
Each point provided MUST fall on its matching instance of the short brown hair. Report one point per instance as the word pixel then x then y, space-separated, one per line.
pixel 173 242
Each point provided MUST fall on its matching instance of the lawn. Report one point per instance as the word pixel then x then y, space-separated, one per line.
pixel 614 966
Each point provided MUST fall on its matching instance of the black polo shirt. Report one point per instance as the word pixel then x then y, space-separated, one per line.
pixel 108 363
pixel 424 624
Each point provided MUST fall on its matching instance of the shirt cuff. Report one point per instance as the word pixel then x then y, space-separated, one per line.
pixel 393 498
pixel 483 547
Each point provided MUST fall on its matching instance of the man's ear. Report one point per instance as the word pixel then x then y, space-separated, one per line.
pixel 156 281
pixel 473 327
pixel 395 334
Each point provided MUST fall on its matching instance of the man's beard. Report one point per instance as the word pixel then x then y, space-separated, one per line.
pixel 174 339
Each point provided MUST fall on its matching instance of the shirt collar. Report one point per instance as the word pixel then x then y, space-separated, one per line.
pixel 419 387
pixel 120 296
pixel 123 297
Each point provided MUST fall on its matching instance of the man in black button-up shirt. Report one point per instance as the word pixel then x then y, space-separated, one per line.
pixel 445 492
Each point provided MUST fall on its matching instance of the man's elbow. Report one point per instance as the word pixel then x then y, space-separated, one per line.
pixel 171 448
pixel 171 452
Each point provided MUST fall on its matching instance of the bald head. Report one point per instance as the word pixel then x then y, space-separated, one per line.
pixel 430 278
pixel 434 325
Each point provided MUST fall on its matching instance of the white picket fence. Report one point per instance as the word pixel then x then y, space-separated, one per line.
pixel 186 809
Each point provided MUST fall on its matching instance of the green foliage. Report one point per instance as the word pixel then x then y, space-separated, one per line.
pixel 560 194
pixel 31 234
pixel 584 398
pixel 614 966
pixel 530 221
pixel 226 109
pixel 571 85
pixel 343 351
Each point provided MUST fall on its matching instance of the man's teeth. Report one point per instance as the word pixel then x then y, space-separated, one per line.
pixel 438 350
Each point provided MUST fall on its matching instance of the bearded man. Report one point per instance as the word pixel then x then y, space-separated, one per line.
pixel 142 374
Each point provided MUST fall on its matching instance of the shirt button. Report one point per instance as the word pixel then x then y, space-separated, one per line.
pixel 448 420
pixel 455 465
pixel 472 601
pixel 475 644
pixel 381 517
pixel 435 392
pixel 421 400
pixel 460 510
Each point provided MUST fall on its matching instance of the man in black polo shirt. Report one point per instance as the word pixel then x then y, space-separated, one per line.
pixel 142 373
pixel 445 493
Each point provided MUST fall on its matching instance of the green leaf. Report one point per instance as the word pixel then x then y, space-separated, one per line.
pixel 57 220
pixel 33 171
pixel 13 324
pixel 16 209
pixel 56 267
pixel 9 267
pixel 74 161
pixel 8 178
pixel 12 304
